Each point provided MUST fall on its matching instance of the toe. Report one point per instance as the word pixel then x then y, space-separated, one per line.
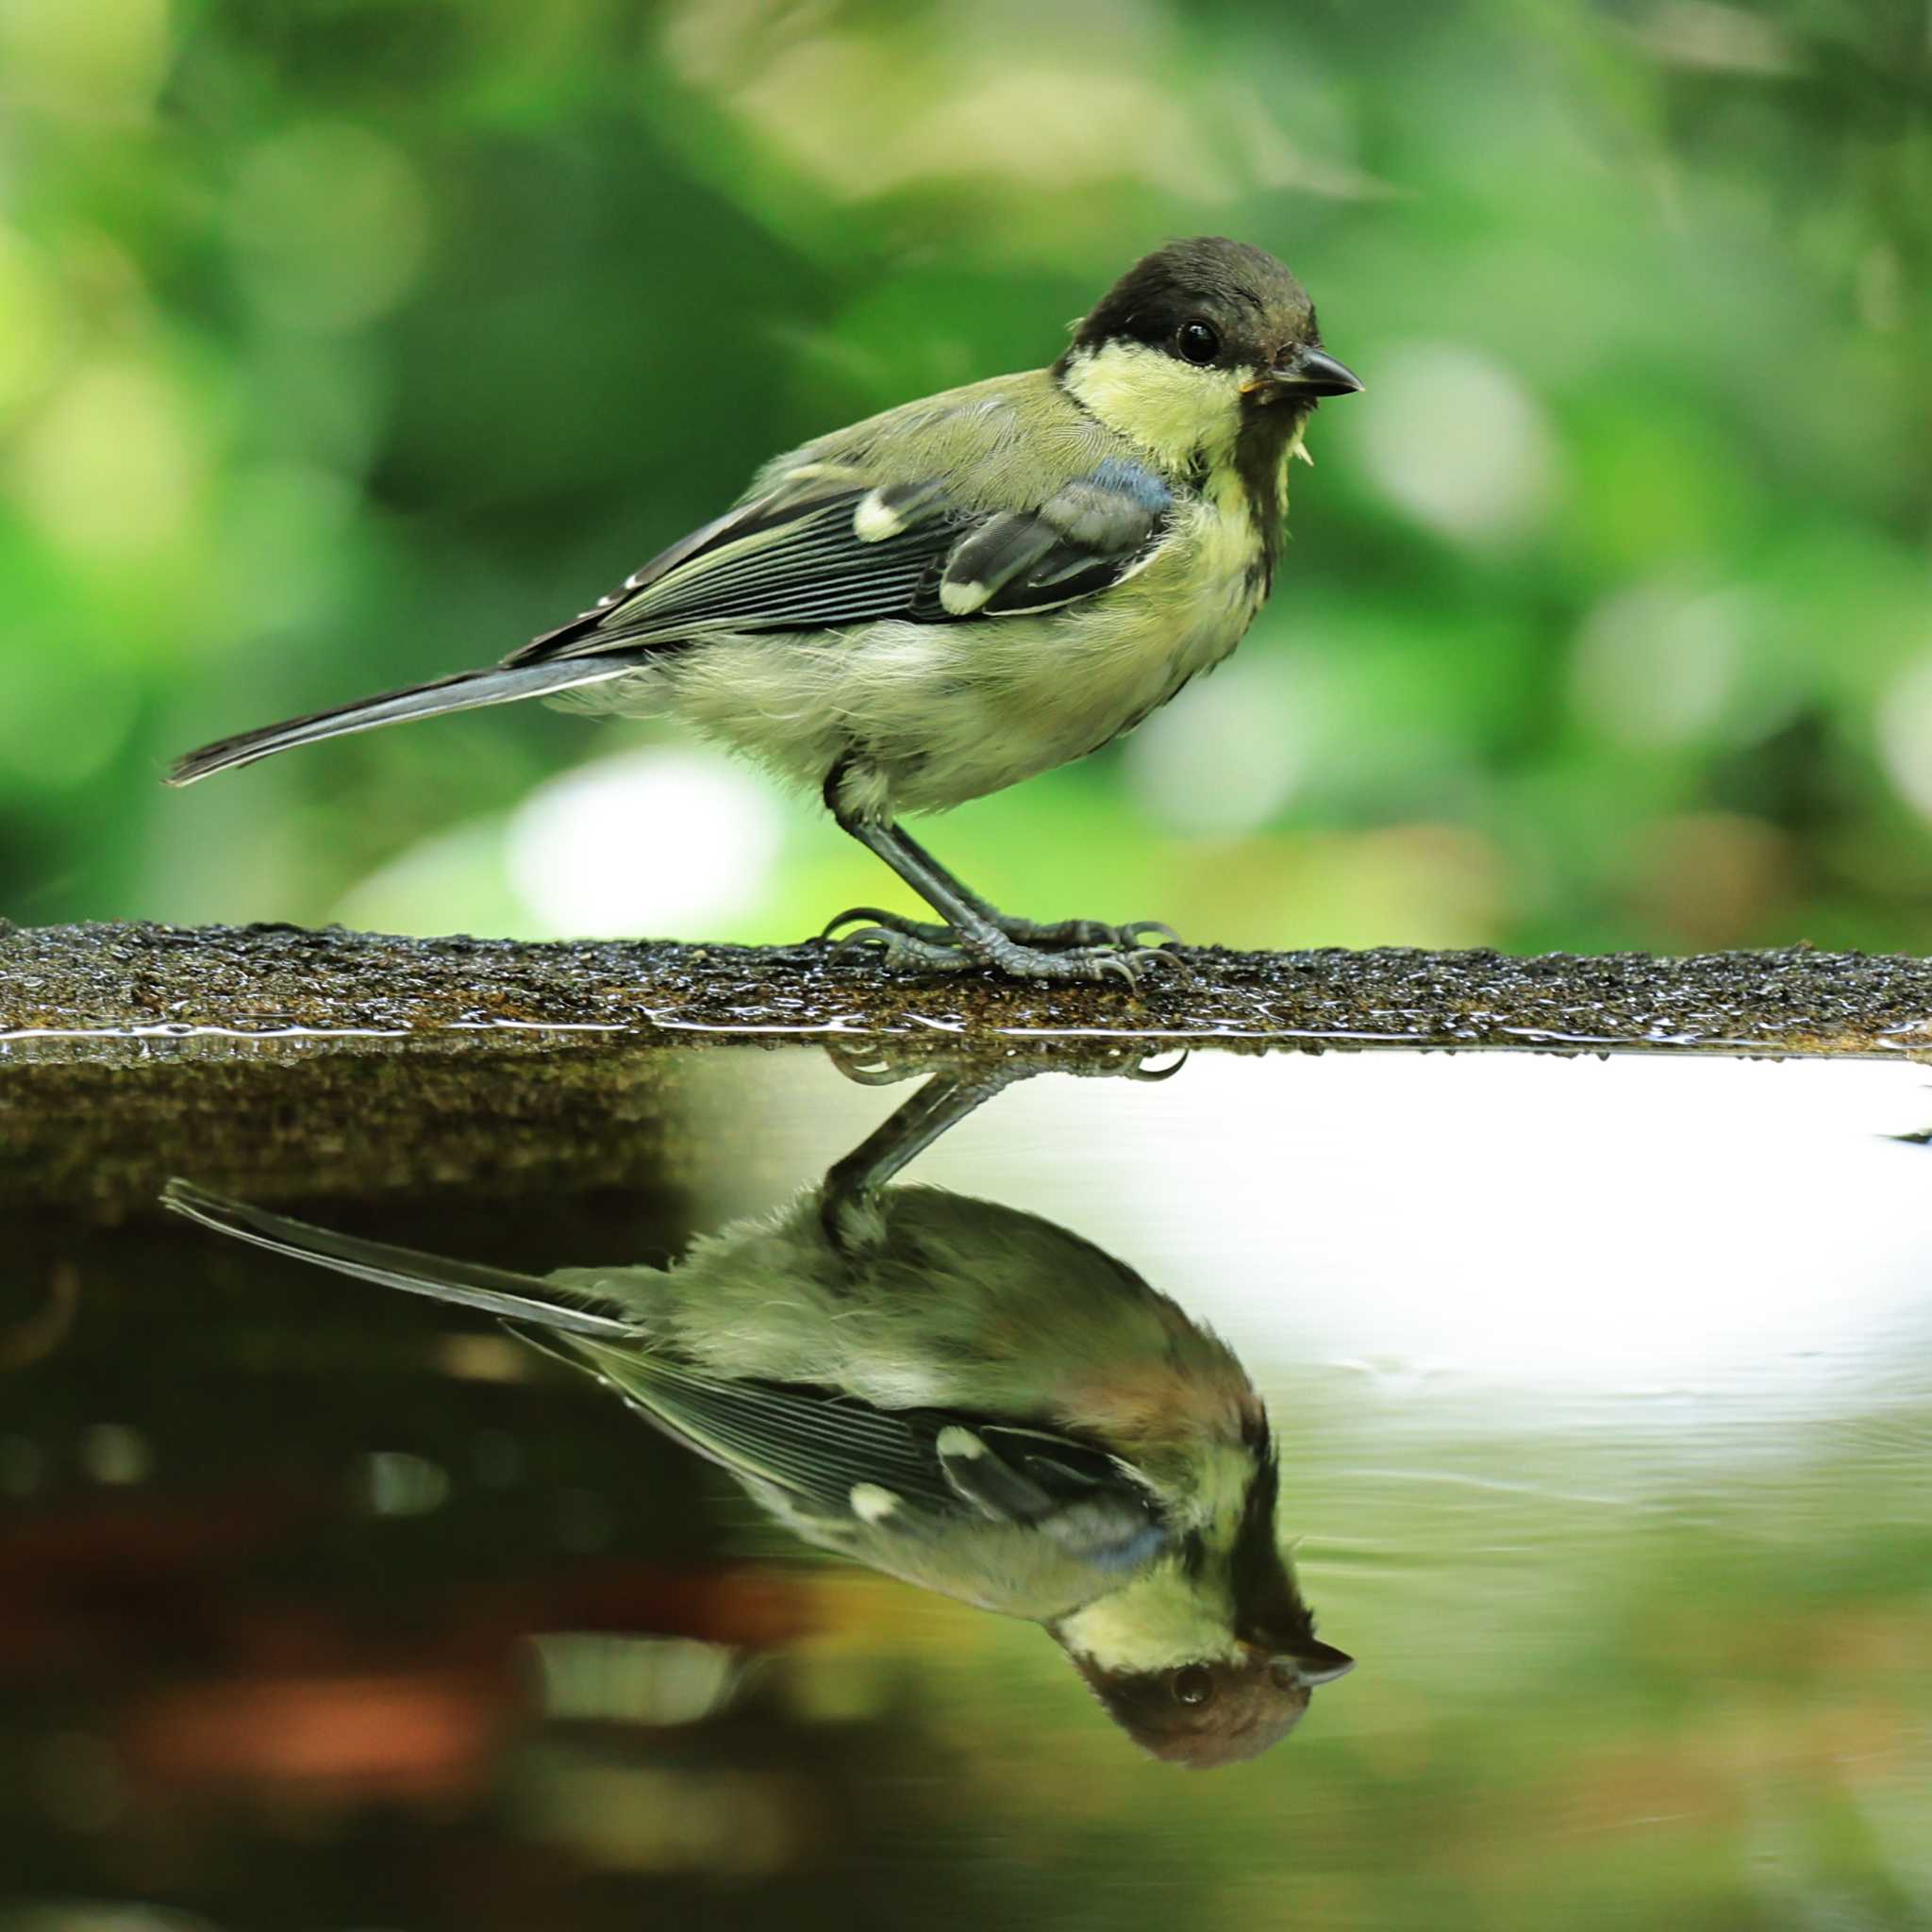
pixel 903 952
pixel 1086 934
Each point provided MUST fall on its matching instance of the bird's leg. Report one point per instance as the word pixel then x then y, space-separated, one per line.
pixel 1058 936
pixel 973 935
pixel 1063 932
pixel 940 1105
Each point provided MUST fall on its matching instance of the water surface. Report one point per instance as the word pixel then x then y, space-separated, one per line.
pixel 1604 1397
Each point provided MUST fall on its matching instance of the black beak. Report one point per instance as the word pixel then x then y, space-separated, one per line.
pixel 1305 375
pixel 1317 1663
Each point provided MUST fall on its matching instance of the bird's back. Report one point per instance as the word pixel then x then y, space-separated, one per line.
pixel 970 437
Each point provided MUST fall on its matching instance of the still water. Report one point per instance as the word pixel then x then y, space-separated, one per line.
pixel 1601 1391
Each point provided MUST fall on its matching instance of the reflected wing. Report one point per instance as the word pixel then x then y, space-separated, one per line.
pixel 829 546
pixel 914 1471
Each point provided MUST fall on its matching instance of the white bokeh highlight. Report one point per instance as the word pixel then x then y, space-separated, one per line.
pixel 1228 754
pixel 1657 664
pixel 1905 734
pixel 645 843
pixel 1455 440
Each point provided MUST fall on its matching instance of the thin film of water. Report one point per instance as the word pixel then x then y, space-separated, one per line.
pixel 1602 1393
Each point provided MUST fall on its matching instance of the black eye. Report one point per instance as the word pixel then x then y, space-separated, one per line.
pixel 1195 1684
pixel 1198 342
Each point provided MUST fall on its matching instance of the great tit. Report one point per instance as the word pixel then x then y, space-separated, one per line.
pixel 965 1396
pixel 971 589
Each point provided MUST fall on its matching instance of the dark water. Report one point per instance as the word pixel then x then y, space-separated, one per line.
pixel 1602 1396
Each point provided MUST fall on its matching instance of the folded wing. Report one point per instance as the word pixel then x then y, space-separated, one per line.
pixel 830 546
pixel 913 1470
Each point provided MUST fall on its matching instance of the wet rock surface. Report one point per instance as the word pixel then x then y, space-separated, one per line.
pixel 119 992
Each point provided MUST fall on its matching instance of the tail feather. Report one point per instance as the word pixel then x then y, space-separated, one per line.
pixel 463 692
pixel 525 1298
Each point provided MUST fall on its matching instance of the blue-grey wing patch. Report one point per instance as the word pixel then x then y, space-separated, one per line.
pixel 1089 1502
pixel 1085 537
pixel 825 550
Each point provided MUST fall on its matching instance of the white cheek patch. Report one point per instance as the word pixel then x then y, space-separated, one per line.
pixel 1154 1623
pixel 1164 404
pixel 956 1442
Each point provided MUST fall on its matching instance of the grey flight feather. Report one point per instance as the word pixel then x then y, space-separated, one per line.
pixel 464 692
pixel 814 1445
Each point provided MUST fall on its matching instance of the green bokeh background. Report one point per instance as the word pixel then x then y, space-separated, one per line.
pixel 343 344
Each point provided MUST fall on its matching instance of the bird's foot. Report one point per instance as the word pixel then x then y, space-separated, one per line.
pixel 912 951
pixel 1065 935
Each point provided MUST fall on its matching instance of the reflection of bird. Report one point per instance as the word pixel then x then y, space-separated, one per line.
pixel 972 589
pixel 961 1395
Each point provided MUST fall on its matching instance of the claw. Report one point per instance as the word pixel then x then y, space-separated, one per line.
pixel 1141 961
pixel 855 946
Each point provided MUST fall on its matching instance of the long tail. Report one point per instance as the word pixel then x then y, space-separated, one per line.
pixel 495 1290
pixel 463 692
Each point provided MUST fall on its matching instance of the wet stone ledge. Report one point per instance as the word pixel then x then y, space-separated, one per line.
pixel 132 992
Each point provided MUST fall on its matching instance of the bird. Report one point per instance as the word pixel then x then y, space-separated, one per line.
pixel 960 594
pixel 968 1398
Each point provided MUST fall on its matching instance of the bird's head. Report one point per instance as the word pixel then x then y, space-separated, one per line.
pixel 1196 345
pixel 1212 1656
pixel 1214 1710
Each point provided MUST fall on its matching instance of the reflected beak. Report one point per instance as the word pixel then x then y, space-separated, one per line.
pixel 1317 1663
pixel 1306 376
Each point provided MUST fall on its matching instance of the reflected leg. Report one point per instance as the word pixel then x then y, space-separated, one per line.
pixel 940 1105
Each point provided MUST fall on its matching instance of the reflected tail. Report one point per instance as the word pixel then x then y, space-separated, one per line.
pixel 522 1298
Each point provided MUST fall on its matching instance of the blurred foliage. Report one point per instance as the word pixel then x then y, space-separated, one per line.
pixel 346 342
